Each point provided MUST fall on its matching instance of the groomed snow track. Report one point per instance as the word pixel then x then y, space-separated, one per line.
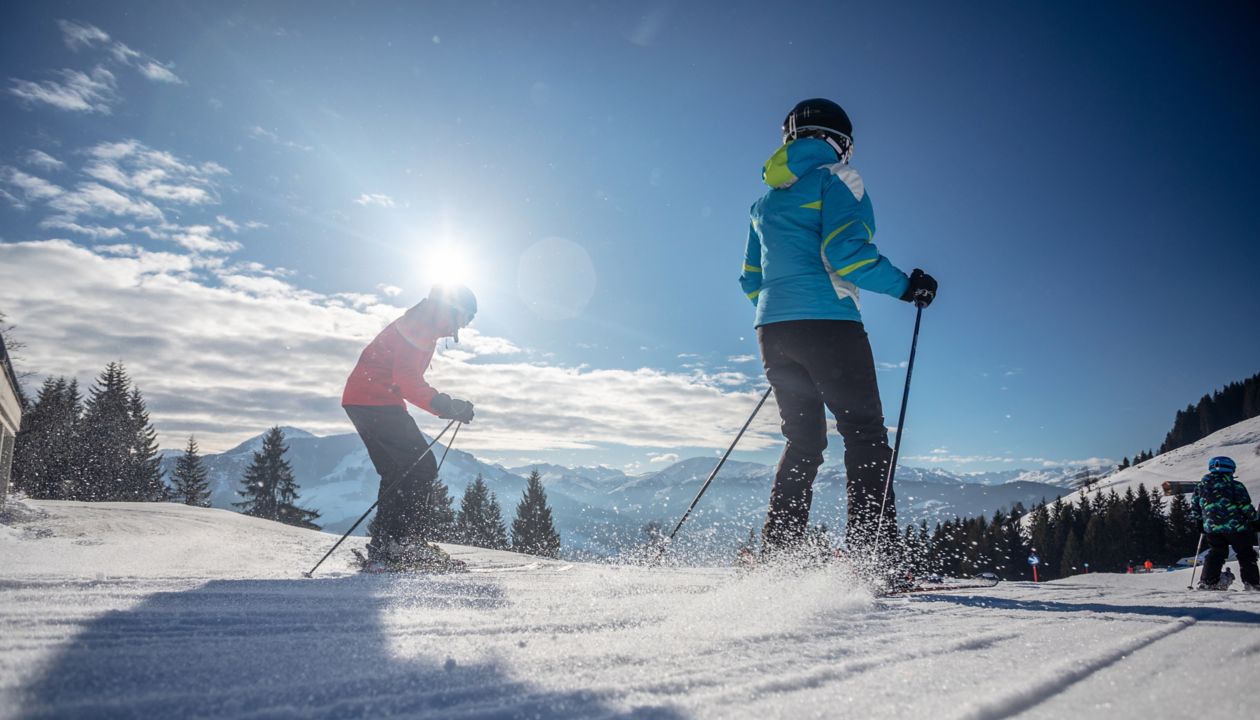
pixel 130 610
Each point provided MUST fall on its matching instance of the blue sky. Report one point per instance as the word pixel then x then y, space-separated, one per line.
pixel 232 198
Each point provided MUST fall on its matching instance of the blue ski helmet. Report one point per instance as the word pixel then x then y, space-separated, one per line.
pixel 1222 464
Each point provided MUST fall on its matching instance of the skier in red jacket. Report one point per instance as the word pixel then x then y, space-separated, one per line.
pixel 389 374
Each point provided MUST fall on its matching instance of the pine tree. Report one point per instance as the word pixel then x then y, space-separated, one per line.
pixel 533 532
pixel 107 438
pixel 1182 533
pixel 270 488
pixel 145 473
pixel 438 520
pixel 1017 545
pixel 480 519
pixel 45 460
pixel 1072 563
pixel 191 480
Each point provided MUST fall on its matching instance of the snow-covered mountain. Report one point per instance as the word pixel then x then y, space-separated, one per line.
pixel 1063 476
pixel 601 511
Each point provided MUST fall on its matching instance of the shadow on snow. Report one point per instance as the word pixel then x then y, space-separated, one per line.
pixel 1200 613
pixel 300 648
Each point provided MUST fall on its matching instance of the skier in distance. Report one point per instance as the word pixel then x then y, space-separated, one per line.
pixel 389 374
pixel 810 248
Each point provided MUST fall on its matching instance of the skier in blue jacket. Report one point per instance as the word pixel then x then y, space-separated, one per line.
pixel 810 249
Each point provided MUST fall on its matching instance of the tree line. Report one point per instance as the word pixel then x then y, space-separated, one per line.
pixel 1100 532
pixel 1230 405
pixel 95 449
pixel 479 520
pixel 103 448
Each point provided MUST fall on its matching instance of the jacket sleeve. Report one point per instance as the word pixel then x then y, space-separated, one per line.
pixel 409 369
pixel 848 228
pixel 1196 509
pixel 750 280
pixel 1244 503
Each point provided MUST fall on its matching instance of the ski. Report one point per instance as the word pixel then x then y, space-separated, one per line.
pixel 940 587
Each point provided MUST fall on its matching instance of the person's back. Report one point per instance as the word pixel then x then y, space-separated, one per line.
pixel 809 248
pixel 1223 507
pixel 1224 504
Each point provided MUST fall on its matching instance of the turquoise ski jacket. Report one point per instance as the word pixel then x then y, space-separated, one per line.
pixel 811 240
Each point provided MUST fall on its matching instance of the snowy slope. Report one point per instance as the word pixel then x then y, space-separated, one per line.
pixel 136 610
pixel 1240 442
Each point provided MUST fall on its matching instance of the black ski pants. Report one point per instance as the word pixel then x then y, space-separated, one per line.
pixel 1218 551
pixel 814 366
pixel 394 444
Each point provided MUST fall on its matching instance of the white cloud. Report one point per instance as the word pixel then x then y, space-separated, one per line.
pixel 41 159
pixel 96 232
pixel 742 358
pixel 158 72
pixel 892 366
pixel 254 225
pixel 32 187
pixel 474 342
pixel 79 35
pixel 96 199
pixel 76 91
pixel 939 458
pixel 198 238
pixel 390 290
pixel 12 199
pixel 132 165
pixel 665 458
pixel 378 199
pixel 224 352
pixel 260 133
pixel 227 223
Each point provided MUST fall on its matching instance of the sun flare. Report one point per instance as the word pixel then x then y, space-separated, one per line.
pixel 448 263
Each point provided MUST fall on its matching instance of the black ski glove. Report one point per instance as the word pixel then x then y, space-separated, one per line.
pixel 922 289
pixel 449 408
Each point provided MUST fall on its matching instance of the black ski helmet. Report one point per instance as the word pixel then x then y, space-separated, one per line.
pixel 818 116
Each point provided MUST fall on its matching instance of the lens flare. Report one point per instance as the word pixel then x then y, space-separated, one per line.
pixel 448 263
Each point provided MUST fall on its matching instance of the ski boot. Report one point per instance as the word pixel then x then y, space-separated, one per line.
pixel 394 556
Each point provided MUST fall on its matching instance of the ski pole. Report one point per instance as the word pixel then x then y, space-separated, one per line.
pixel 901 424
pixel 712 475
pixel 428 497
pixel 427 450
pixel 1194 568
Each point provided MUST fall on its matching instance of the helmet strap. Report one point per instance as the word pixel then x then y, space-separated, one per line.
pixel 844 152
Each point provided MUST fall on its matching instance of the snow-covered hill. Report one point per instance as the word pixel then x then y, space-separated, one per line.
pixel 152 610
pixel 1240 442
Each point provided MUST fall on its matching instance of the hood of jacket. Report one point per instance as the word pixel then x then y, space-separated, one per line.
pixel 795 159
